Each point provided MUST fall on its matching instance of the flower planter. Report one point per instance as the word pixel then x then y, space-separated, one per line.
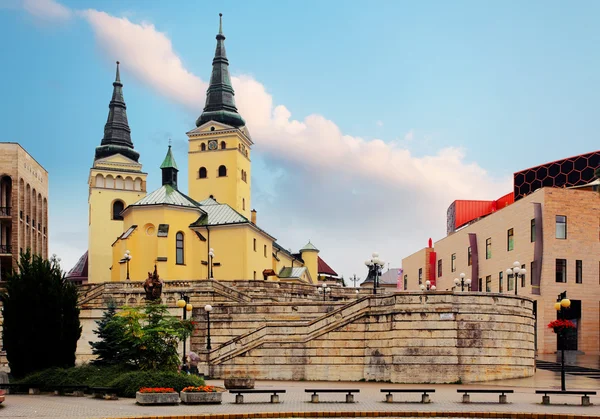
pixel 239 383
pixel 188 397
pixel 156 398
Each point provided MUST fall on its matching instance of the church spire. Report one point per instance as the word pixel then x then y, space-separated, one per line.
pixel 220 101
pixel 117 134
pixel 169 169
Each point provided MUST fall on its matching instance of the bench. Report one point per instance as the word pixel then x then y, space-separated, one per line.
pixel 106 393
pixel 239 398
pixel 467 399
pixel 315 397
pixel 23 388
pixel 585 399
pixel 62 389
pixel 389 398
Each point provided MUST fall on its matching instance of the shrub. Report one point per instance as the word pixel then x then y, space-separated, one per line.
pixel 128 384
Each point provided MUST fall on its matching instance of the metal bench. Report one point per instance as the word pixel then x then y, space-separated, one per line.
pixel 467 399
pixel 585 399
pixel 315 397
pixel 424 397
pixel 239 398
pixel 107 393
pixel 77 390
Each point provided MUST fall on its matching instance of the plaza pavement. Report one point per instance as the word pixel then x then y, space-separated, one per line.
pixel 369 402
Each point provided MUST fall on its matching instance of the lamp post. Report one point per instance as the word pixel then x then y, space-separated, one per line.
pixel 127 258
pixel 516 272
pixel 462 282
pixel 561 305
pixel 211 255
pixel 185 306
pixel 324 289
pixel 375 265
pixel 208 308
pixel 427 286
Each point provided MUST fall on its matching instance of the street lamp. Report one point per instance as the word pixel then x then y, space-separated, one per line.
pixel 462 282
pixel 211 255
pixel 185 306
pixel 562 304
pixel 127 258
pixel 516 272
pixel 427 286
pixel 324 289
pixel 375 265
pixel 208 308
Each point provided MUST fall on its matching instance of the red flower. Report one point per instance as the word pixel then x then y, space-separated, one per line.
pixel 561 324
pixel 157 390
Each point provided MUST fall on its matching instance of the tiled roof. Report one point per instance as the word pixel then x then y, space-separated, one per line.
pixel 291 272
pixel 389 277
pixel 324 268
pixel 80 270
pixel 167 195
pixel 217 214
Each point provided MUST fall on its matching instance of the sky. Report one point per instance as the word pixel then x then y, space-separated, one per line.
pixel 369 117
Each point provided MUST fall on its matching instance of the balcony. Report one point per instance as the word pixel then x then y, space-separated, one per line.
pixel 4 211
pixel 5 249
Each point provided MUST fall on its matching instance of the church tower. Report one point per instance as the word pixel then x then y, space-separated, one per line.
pixel 219 148
pixel 116 180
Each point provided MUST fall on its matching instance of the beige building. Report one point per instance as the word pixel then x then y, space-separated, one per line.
pixel 555 229
pixel 23 206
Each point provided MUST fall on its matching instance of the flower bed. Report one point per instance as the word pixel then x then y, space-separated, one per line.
pixel 201 394
pixel 156 395
pixel 560 325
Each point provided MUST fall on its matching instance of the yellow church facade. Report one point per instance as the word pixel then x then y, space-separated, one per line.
pixel 212 233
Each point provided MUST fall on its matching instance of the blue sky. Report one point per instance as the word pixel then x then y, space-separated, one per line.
pixel 404 106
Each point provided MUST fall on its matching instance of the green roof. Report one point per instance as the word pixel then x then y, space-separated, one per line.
pixel 292 272
pixel 217 214
pixel 169 161
pixel 167 195
pixel 309 246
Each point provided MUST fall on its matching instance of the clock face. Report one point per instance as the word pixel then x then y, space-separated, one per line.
pixel 212 145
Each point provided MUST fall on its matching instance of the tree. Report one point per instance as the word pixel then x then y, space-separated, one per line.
pixel 41 316
pixel 151 336
pixel 109 349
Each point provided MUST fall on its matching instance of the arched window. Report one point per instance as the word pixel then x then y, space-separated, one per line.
pixel 179 248
pixel 117 209
pixel 222 171
pixel 243 204
pixel 137 184
pixel 223 145
pixel 202 173
pixel 212 128
pixel 203 146
pixel 99 181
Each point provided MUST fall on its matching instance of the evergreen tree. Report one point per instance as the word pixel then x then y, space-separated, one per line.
pixel 109 349
pixel 41 316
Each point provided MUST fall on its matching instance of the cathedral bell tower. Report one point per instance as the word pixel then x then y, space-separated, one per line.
pixel 219 146
pixel 116 180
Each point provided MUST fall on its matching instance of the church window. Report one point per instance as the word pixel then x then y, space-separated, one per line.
pixel 222 171
pixel 110 182
pixel 203 146
pixel 117 208
pixel 179 248
pixel 128 183
pixel 254 275
pixel 137 184
pixel 243 204
pixel 212 128
pixel 255 245
pixel 202 173
pixel 99 181
pixel 223 145
pixel 119 183
pixel 265 250
pixel 163 230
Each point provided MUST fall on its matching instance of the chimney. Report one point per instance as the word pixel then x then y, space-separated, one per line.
pixel 253 216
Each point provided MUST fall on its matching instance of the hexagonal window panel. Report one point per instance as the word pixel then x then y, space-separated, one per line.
pixel 574 177
pixel 560 180
pixel 587 175
pixel 553 170
pixel 542 172
pixel 529 176
pixel 580 163
pixel 566 166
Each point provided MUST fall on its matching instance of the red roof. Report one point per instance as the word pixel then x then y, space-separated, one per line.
pixel 324 268
pixel 80 270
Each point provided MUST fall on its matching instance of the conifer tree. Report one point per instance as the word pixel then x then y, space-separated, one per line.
pixel 109 348
pixel 41 316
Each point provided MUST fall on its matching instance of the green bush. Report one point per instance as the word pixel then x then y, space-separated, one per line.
pixel 127 384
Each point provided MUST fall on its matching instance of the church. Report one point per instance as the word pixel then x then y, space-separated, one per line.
pixel 211 233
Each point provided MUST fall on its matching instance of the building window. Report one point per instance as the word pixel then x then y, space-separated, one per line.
pixel 579 271
pixel 21 214
pixel 202 173
pixel 179 248
pixel 117 209
pixel 265 250
pixel 163 230
pixel 532 230
pixel 453 262
pixel 523 277
pixel 203 146
pixel 510 282
pixel 254 276
pixel 223 145
pixel 561 227
pixel 222 171
pixel 510 239
pixel 561 270
pixel 480 285
pixel 488 283
pixel 420 276
pixel 439 268
pixel 33 223
pixel 254 245
pixel 500 280
pixel 405 282
pixel 488 248
pixel 532 272
pixel 27 219
pixel 243 204
pixel 469 256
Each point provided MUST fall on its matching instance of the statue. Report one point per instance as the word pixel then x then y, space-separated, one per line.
pixel 153 286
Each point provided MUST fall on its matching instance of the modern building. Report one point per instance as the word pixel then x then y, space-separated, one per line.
pixel 212 233
pixel 554 235
pixel 23 206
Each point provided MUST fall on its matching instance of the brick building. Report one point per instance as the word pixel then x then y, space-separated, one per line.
pixel 23 206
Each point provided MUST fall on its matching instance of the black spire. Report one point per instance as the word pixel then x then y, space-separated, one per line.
pixel 169 169
pixel 117 134
pixel 220 101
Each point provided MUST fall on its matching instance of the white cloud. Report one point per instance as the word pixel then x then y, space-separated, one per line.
pixel 379 123
pixel 47 9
